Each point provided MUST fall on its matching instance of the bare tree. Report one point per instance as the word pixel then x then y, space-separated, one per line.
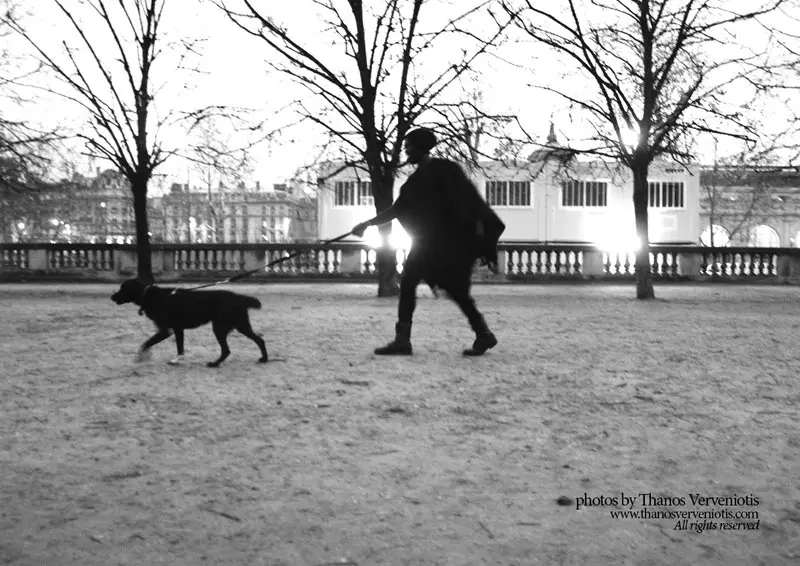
pixel 663 70
pixel 368 89
pixel 472 134
pixel 108 66
pixel 24 145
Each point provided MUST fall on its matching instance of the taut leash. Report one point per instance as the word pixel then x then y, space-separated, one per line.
pixel 270 264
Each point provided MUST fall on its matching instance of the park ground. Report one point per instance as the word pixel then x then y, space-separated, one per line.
pixel 330 455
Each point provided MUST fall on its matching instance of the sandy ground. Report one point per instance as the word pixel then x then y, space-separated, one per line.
pixel 331 455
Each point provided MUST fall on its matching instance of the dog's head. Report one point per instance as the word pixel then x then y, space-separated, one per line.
pixel 131 291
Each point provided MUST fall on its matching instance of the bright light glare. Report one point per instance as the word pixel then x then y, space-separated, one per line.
pixel 618 243
pixel 630 137
pixel 372 237
pixel 399 239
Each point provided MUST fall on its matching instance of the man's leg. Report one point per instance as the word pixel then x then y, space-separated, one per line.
pixel 401 345
pixel 459 291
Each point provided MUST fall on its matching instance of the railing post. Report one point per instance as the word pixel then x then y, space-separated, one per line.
pixel 351 261
pixel 254 259
pixel 125 261
pixel 593 263
pixel 159 262
pixel 690 264
pixel 788 269
pixel 502 263
pixel 37 260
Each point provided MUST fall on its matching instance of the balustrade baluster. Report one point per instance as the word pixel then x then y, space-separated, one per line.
pixel 365 257
pixel 753 264
pixel 618 264
pixel 629 266
pixel 557 263
pixel 768 265
pixel 723 266
pixel 326 262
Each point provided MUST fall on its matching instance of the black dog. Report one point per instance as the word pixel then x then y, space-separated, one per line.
pixel 174 310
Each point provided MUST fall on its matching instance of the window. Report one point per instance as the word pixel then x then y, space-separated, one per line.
pixel 665 194
pixel 353 193
pixel 508 193
pixel 584 193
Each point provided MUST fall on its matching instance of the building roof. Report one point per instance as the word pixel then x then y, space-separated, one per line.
pixel 740 176
pixel 552 149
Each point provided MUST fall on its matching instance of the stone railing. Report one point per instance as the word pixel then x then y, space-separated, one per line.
pixel 517 262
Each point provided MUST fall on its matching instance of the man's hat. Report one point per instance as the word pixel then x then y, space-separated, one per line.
pixel 422 138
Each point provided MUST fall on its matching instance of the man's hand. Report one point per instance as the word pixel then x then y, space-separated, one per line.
pixel 359 229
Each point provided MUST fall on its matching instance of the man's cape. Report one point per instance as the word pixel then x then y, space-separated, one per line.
pixel 481 226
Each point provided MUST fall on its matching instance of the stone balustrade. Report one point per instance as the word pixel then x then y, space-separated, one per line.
pixel 517 262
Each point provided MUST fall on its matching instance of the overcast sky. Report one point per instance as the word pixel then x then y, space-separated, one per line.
pixel 234 72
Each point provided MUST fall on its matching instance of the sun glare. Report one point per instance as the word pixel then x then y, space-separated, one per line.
pixel 619 240
pixel 630 137
pixel 372 237
pixel 398 239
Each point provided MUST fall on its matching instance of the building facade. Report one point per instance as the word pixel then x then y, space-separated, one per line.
pixel 758 206
pixel 547 199
pixel 100 210
pixel 237 216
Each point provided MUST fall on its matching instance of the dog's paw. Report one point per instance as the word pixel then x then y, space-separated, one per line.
pixel 175 361
pixel 212 365
pixel 263 360
pixel 143 356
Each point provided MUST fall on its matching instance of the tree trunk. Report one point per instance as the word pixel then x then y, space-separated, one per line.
pixel 144 262
pixel 644 279
pixel 386 256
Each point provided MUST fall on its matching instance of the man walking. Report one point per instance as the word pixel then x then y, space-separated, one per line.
pixel 451 226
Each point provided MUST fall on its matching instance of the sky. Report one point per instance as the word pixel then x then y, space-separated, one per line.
pixel 234 72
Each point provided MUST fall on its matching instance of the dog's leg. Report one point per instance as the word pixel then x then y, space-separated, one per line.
pixel 221 331
pixel 179 343
pixel 159 336
pixel 244 327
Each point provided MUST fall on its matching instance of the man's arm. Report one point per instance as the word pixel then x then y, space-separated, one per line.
pixel 383 218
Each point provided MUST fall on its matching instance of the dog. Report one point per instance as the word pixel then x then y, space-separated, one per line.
pixel 175 310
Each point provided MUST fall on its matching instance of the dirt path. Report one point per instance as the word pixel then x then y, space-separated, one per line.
pixel 334 456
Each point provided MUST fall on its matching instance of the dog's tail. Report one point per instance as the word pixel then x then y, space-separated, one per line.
pixel 251 302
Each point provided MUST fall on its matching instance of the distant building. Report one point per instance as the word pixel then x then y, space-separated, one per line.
pixel 550 198
pixel 100 210
pixel 226 215
pixel 754 206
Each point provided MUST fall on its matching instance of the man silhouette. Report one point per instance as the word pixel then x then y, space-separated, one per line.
pixel 451 226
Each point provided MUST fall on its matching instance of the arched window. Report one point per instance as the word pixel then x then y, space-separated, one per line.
pixel 763 236
pixel 722 237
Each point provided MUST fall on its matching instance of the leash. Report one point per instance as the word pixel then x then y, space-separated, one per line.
pixel 270 264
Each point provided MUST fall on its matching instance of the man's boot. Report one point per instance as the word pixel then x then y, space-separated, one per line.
pixel 401 345
pixel 484 339
pixel 483 342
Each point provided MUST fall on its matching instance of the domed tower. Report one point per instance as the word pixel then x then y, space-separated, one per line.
pixel 552 149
